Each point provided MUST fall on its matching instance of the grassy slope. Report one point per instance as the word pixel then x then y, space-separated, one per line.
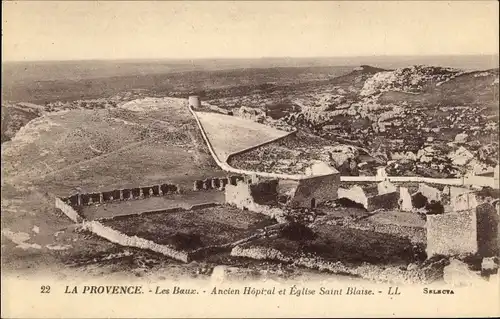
pixel 109 148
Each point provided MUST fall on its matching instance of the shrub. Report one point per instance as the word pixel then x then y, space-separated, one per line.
pixel 185 241
pixel 297 231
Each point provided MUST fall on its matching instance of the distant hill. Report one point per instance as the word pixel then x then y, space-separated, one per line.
pixel 13 72
pixel 50 81
pixel 166 83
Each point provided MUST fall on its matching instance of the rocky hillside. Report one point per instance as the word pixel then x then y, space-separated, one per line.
pixel 419 120
pixel 412 79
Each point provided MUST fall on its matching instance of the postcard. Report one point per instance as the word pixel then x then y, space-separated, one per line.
pixel 250 159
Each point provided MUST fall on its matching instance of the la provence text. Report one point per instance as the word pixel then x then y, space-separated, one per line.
pixel 106 290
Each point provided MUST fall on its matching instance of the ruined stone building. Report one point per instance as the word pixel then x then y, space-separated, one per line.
pixel 320 184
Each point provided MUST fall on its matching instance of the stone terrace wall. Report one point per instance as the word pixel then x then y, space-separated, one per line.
pixel 481 181
pixel 134 241
pixel 370 203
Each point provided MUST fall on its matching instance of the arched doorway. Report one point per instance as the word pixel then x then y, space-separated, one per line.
pixel 313 202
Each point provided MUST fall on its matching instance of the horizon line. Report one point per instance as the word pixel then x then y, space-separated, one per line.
pixel 253 58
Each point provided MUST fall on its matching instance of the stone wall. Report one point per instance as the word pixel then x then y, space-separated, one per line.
pixel 161 211
pixel 370 203
pixel 218 183
pixel 385 187
pixel 355 194
pixel 452 233
pixel 464 201
pixel 67 210
pixel 265 192
pixel 240 195
pixel 383 201
pixel 381 176
pixel 121 194
pixel 405 203
pixel 315 190
pixel 481 181
pixel 431 193
pixel 134 241
pixel 120 238
pixel 487 230
pixel 465 232
pixel 457 191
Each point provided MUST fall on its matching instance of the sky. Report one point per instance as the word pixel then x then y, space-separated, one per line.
pixel 79 30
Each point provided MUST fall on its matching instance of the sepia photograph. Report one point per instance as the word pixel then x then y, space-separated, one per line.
pixel 250 159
